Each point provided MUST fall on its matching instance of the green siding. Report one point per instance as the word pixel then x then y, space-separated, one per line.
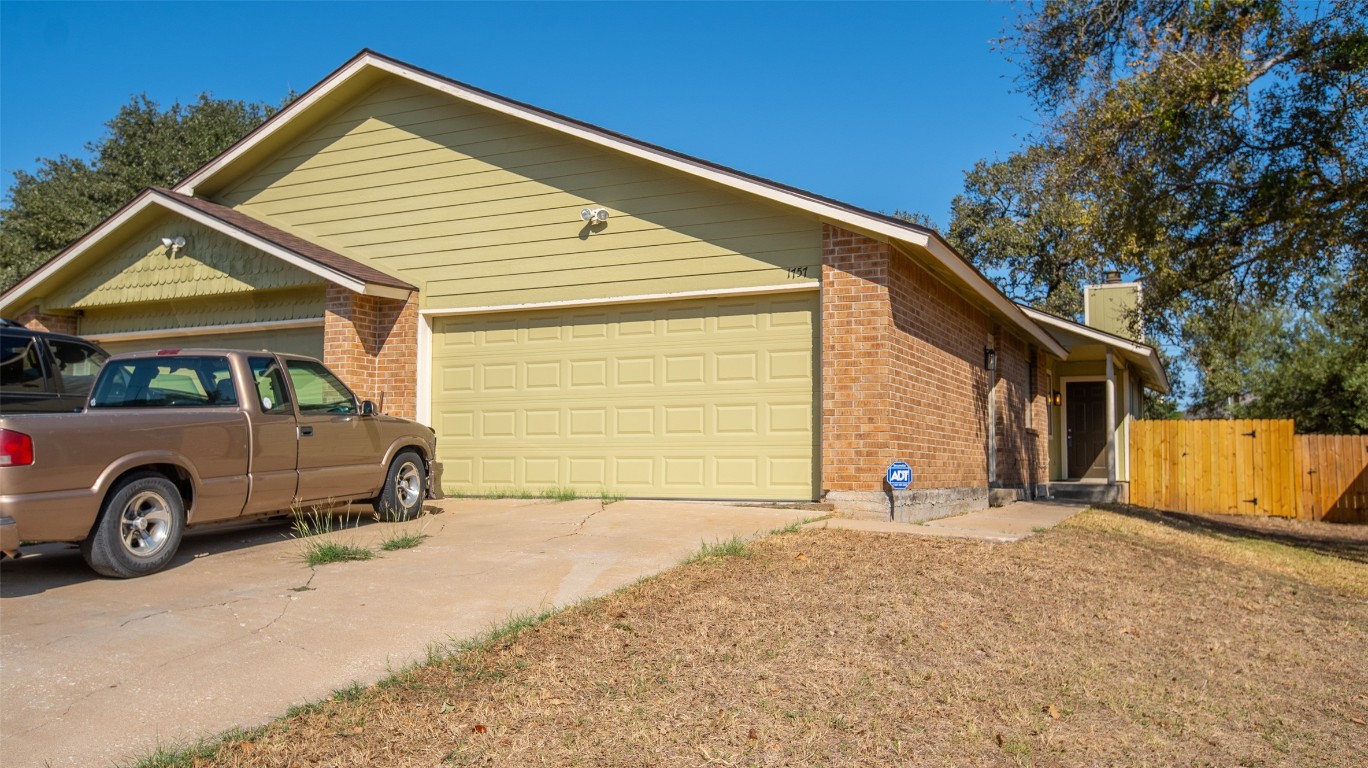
pixel 143 270
pixel 481 209
pixel 232 309
pixel 1110 305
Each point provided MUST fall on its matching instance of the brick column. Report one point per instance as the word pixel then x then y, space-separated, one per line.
pixel 371 343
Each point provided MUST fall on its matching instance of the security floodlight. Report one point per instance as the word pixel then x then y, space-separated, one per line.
pixel 173 244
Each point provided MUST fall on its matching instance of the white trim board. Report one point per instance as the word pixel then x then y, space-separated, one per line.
pixel 637 299
pixel 151 197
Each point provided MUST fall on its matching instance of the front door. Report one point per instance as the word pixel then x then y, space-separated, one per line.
pixel 1086 433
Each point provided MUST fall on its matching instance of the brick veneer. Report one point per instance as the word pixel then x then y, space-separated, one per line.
pixel 1022 448
pixel 372 344
pixel 40 321
pixel 903 378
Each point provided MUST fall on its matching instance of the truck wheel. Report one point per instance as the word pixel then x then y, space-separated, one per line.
pixel 405 488
pixel 139 529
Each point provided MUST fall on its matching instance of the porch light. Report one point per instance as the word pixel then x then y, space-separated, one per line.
pixel 1056 399
pixel 990 358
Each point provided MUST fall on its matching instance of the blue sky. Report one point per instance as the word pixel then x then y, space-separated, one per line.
pixel 883 105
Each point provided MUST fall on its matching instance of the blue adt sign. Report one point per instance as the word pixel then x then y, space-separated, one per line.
pixel 899 475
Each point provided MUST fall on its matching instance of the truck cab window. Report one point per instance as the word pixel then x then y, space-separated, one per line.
pixel 272 395
pixel 317 390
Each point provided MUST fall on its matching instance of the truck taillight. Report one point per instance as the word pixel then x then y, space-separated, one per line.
pixel 16 449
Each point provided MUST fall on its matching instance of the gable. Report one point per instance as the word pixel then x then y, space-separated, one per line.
pixel 481 209
pixel 141 269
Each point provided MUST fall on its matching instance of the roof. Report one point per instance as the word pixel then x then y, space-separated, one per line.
pixel 329 265
pixel 946 262
pixel 1072 334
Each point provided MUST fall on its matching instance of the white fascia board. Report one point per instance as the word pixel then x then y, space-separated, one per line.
pixel 1100 337
pixel 636 299
pixel 287 256
pixel 149 198
pixel 1143 351
pixel 277 121
pixel 1006 306
pixel 826 210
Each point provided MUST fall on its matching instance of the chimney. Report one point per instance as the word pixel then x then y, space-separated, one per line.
pixel 1111 306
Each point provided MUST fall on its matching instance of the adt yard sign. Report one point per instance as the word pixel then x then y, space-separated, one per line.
pixel 899 475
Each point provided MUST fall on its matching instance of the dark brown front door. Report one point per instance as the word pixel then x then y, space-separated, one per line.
pixel 1086 434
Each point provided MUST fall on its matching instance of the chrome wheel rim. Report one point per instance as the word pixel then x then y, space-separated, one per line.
pixel 145 524
pixel 408 485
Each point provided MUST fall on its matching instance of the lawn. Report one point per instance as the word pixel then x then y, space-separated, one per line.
pixel 1114 639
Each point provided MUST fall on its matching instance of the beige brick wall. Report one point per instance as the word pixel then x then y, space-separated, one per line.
pixel 372 344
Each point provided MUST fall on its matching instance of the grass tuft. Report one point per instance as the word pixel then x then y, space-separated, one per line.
pixel 403 540
pixel 733 547
pixel 315 531
pixel 557 493
pixel 607 497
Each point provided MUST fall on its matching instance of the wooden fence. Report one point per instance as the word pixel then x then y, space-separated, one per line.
pixel 1243 467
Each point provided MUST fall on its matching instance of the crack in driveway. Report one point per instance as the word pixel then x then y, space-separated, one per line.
pixel 579 527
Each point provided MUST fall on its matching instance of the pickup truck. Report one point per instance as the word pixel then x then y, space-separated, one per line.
pixel 186 437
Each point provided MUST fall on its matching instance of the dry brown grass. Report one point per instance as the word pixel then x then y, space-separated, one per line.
pixel 1115 639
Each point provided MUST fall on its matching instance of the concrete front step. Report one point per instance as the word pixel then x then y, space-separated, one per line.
pixel 1092 493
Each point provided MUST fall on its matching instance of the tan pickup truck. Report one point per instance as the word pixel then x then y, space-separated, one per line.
pixel 187 437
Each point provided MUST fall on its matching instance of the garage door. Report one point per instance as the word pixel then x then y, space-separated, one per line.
pixel 689 399
pixel 299 341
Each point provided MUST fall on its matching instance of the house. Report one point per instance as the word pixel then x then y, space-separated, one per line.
pixel 571 307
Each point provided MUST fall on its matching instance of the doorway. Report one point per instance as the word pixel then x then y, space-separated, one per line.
pixel 1086 429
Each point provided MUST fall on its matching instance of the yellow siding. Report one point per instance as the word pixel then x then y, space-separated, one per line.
pixel 479 209
pixel 232 309
pixel 210 264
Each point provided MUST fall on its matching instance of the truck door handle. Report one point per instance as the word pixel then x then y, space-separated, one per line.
pixel 306 431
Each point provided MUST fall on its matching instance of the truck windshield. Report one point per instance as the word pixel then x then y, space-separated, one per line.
pixel 165 382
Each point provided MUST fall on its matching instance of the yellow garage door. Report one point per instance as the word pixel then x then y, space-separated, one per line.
pixel 688 399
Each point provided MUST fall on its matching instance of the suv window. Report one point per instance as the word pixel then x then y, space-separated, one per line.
pixel 317 390
pixel 21 367
pixel 77 364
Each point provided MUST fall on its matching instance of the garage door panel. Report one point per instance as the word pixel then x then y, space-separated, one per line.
pixel 696 399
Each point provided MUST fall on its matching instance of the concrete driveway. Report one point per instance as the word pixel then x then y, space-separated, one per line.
pixel 99 672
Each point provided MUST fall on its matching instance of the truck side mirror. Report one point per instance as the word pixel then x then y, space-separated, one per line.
pixel 367 408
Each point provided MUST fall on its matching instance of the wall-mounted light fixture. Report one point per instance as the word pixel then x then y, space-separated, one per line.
pixel 173 244
pixel 594 216
pixel 1056 399
pixel 990 358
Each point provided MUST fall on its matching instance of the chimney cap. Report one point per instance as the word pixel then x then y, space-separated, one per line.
pixel 1111 276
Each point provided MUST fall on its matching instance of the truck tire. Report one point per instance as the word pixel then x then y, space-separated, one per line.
pixel 405 488
pixel 139 528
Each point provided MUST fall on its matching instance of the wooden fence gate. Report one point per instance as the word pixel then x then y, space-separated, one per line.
pixel 1245 467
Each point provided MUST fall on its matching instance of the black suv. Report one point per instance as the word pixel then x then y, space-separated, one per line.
pixel 45 372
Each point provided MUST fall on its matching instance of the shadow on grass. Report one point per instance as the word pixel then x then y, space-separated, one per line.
pixel 1346 542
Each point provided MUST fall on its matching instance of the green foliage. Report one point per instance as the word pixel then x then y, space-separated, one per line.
pixel 142 146
pixel 1218 151
pixel 557 493
pixel 1222 146
pixel 1019 221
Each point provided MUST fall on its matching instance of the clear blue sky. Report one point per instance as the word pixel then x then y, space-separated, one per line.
pixel 882 105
